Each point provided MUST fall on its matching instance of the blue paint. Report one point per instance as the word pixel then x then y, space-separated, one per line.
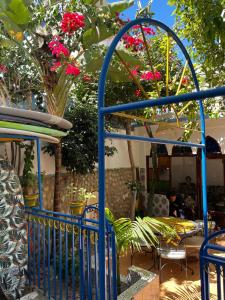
pixel 210 93
pixel 38 142
pixel 54 262
pixel 102 111
pixel 73 266
pixel 39 254
pixel 66 262
pixel 150 140
pixel 206 258
pixel 44 258
pixel 88 262
pixel 34 249
pixel 29 252
pixel 49 263
pixel 60 264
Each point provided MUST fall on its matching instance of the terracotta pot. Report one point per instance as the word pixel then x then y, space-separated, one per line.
pixel 31 200
pixel 77 207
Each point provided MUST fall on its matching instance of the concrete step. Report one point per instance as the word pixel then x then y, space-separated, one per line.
pixel 35 295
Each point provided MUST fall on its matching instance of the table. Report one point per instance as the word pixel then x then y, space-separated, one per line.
pixel 184 227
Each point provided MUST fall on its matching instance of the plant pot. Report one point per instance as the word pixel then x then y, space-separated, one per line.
pixel 31 200
pixel 77 207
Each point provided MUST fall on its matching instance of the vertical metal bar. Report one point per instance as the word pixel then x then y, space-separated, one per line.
pixel 49 263
pixel 73 266
pixel 54 261
pixel 204 280
pixel 39 255
pixel 60 262
pixel 204 188
pixel 28 251
pixel 44 259
pixel 81 263
pixel 66 262
pixel 114 263
pixel 39 173
pixel 96 265
pixel 34 249
pixel 89 285
pixel 108 274
pixel 218 276
pixel 101 180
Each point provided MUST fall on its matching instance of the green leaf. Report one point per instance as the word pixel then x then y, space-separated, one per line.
pixel 96 34
pixel 120 5
pixel 16 11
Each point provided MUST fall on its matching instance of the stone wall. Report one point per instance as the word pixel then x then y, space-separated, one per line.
pixel 118 196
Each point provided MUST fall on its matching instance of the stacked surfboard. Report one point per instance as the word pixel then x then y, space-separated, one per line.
pixel 17 124
pixel 21 122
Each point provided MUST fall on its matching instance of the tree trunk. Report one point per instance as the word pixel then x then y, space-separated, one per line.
pixel 133 169
pixel 154 173
pixel 57 190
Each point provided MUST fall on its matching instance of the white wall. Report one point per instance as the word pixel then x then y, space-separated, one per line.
pixel 214 128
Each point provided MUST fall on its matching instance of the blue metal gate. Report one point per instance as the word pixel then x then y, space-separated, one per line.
pixel 63 256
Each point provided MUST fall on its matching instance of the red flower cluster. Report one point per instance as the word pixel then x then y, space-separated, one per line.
pixel 3 69
pixel 151 75
pixel 133 42
pixel 72 70
pixel 71 22
pixel 57 47
pixel 55 66
pixel 147 30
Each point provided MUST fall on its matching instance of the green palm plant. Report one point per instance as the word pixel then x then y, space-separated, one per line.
pixel 135 233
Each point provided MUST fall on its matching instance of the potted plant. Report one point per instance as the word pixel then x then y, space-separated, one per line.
pixel 77 198
pixel 29 179
pixel 134 233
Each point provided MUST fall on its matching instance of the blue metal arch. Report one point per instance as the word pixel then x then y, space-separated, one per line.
pixel 102 135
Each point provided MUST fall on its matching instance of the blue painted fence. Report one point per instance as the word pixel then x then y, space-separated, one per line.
pixel 63 256
pixel 212 266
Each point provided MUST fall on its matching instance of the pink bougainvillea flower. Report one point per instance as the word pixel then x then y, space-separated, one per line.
pixel 71 22
pixel 149 30
pixel 55 66
pixel 137 93
pixel 151 75
pixel 72 70
pixel 58 48
pixel 3 69
pixel 134 71
pixel 185 81
pixel 133 43
pixel 147 76
pixel 157 75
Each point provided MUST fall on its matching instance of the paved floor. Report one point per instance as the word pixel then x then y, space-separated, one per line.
pixel 174 284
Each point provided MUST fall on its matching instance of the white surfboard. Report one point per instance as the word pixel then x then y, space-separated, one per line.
pixel 37 116
pixel 19 133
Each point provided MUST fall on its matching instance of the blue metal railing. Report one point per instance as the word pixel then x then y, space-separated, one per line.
pixel 63 255
pixel 212 263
